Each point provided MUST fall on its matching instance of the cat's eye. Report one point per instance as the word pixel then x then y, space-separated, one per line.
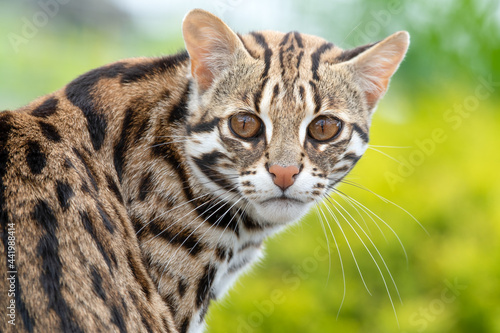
pixel 245 125
pixel 324 128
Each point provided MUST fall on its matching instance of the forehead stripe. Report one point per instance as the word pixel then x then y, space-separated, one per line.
pixel 315 58
pixel 261 40
pixel 298 38
pixel 258 95
pixel 251 52
pixel 317 98
pixel 285 39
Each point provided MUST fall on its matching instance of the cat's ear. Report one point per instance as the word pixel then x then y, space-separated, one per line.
pixel 211 45
pixel 375 66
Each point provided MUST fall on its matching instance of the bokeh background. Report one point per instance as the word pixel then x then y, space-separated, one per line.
pixel 435 154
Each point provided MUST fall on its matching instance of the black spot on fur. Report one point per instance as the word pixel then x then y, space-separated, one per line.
pixel 204 126
pixel 136 223
pixel 146 324
pixel 173 158
pixel 124 306
pixel 35 158
pixel 142 129
pixel 205 285
pixel 114 188
pixel 217 215
pixel 179 112
pixel 221 253
pixel 172 303
pixel 362 133
pixel 206 163
pixel 49 131
pixel 121 146
pixel 204 308
pixel 145 187
pixel 80 92
pixel 251 224
pixel 238 266
pixel 47 108
pixel 184 238
pixel 4 160
pixel 184 326
pixel 316 57
pixel 89 227
pixel 64 193
pixel 50 278
pixel 302 93
pixel 106 220
pixel 86 165
pixel 182 287
pixel 5 128
pixel 159 66
pixel 117 319
pixel 68 164
pixel 97 283
pixel 139 275
pixel 351 157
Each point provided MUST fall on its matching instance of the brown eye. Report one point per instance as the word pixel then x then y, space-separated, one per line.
pixel 245 125
pixel 324 128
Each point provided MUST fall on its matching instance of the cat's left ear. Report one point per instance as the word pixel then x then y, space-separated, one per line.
pixel 211 45
pixel 375 66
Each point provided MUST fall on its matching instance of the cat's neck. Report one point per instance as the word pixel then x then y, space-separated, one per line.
pixel 176 219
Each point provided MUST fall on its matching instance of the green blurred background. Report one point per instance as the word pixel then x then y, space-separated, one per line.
pixel 439 125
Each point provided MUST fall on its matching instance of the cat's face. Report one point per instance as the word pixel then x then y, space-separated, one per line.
pixel 279 123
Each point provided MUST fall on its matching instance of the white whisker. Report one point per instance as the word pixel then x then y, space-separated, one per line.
pixel 341 264
pixel 386 201
pixel 370 254
pixel 349 246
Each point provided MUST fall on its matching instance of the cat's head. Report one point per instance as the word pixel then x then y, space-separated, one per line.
pixel 276 120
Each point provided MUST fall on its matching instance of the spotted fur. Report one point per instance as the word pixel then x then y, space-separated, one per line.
pixel 134 205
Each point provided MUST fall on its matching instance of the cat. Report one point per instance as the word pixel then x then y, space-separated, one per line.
pixel 135 195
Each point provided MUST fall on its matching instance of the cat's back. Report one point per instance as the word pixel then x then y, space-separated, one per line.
pixel 63 215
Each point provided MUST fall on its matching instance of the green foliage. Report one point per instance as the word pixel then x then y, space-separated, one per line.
pixel 447 177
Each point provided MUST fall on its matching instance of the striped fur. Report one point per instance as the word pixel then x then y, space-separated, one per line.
pixel 133 202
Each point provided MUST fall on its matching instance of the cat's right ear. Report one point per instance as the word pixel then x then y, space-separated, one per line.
pixel 211 45
pixel 376 63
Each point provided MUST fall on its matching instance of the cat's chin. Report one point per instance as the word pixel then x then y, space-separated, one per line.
pixel 281 211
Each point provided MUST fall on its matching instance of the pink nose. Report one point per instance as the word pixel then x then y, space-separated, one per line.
pixel 284 176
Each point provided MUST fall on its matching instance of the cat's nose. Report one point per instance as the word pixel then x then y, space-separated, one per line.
pixel 284 177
